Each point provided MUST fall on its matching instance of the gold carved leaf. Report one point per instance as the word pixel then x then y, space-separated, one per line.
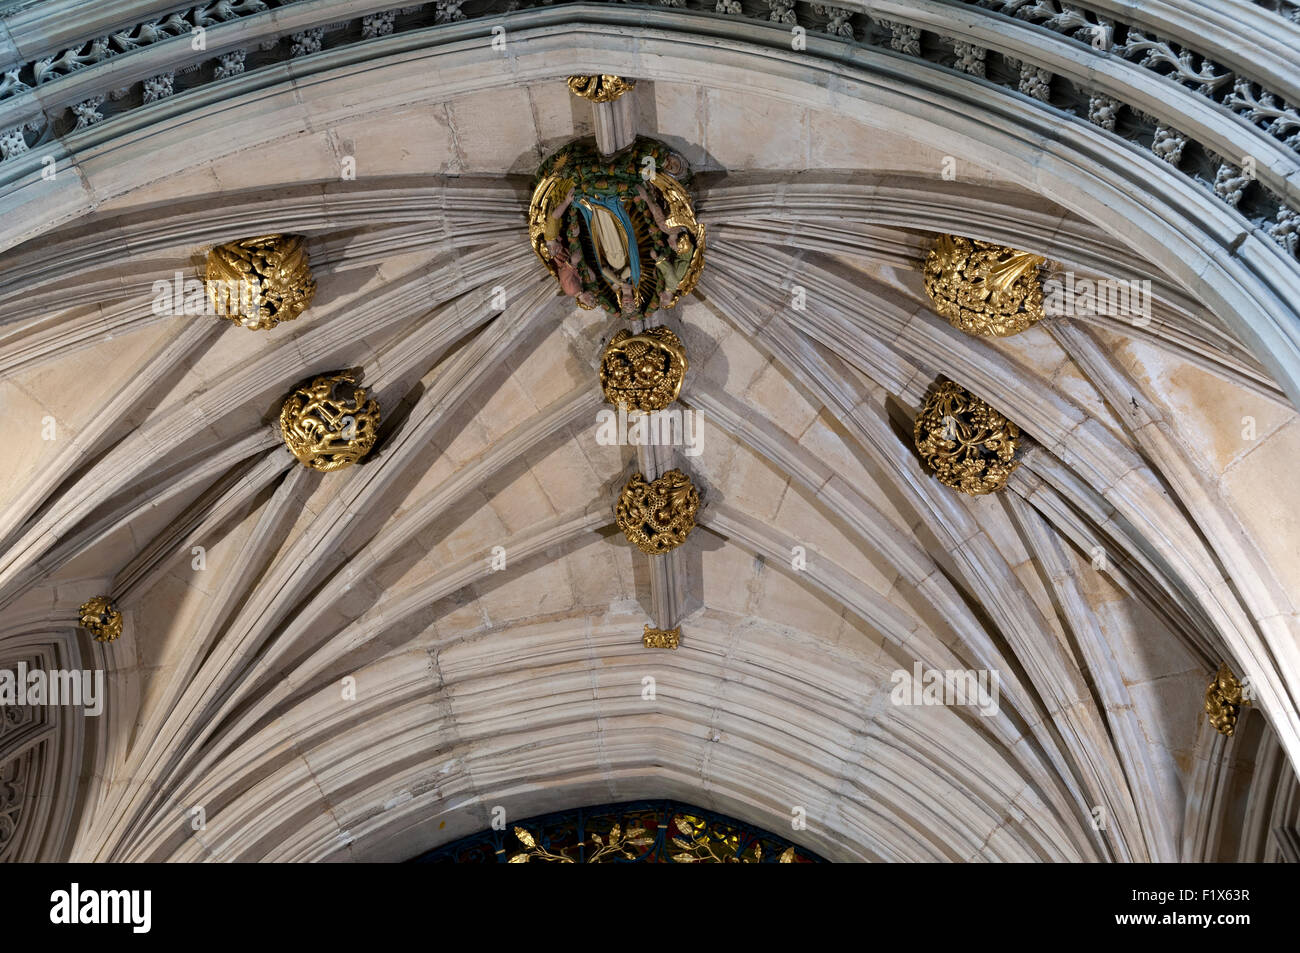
pixel 600 88
pixel 643 371
pixel 964 442
pixel 101 618
pixel 658 516
pixel 1223 700
pixel 983 288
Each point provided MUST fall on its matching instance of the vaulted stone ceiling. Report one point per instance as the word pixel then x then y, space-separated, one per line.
pixel 1145 539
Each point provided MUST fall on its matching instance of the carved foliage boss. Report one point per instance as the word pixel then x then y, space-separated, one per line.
pixel 643 371
pixel 658 516
pixel 1223 700
pixel 982 288
pixel 967 444
pixel 653 638
pixel 102 619
pixel 259 282
pixel 329 424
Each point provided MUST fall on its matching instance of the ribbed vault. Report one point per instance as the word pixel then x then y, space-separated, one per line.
pixel 524 687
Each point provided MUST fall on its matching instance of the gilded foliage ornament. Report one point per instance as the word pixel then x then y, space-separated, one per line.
pixel 259 282
pixel 617 232
pixel 967 444
pixel 616 844
pixel 329 424
pixel 643 371
pixel 102 619
pixel 601 88
pixel 1223 700
pixel 654 638
pixel 697 842
pixel 982 288
pixel 658 516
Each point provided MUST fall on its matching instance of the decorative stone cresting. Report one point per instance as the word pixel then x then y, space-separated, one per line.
pixel 329 424
pixel 1244 97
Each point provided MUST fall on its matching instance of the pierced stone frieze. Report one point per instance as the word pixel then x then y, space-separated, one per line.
pixel 101 618
pixel 969 57
pixel 643 371
pixel 613 238
pixel 1034 80
pixel 903 37
pixel 1285 229
pixel 158 87
pixel 259 282
pixel 656 517
pixel 781 11
pixel 1247 99
pixel 306 42
pixel 329 424
pixel 964 442
pixel 1169 144
pixel 1265 110
pixel 87 113
pixel 1183 65
pixel 1230 183
pixel 448 11
pixel 10 84
pixel 12 142
pixel 229 64
pixel 838 17
pixel 1103 111
pixel 378 24
pixel 983 288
